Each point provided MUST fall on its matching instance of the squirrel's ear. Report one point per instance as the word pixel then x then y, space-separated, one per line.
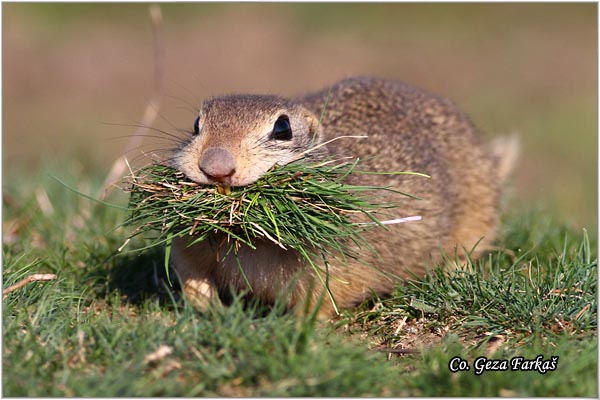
pixel 315 135
pixel 314 126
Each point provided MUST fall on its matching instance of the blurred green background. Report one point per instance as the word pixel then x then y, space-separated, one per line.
pixel 529 69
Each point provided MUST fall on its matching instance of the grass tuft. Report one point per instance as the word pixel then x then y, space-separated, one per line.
pixel 305 206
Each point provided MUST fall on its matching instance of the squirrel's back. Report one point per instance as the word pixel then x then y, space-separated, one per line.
pixel 410 129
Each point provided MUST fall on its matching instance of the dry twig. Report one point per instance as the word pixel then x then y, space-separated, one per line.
pixel 29 279
pixel 152 107
pixel 158 354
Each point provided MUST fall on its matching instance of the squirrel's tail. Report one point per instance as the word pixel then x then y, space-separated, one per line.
pixel 505 150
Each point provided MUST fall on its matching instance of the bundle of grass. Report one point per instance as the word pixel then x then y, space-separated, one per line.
pixel 301 206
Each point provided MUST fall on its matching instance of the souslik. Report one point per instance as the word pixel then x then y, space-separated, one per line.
pixel 237 138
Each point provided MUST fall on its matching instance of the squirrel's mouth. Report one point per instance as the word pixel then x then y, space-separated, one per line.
pixel 223 188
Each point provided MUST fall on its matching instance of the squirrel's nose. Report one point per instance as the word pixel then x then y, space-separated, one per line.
pixel 217 163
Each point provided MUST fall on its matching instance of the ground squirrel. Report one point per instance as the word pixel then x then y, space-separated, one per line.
pixel 237 138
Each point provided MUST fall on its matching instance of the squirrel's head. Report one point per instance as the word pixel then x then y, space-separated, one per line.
pixel 237 138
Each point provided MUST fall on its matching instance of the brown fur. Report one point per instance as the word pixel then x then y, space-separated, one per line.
pixel 408 130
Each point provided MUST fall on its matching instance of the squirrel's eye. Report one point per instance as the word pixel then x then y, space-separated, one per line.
pixel 197 126
pixel 282 129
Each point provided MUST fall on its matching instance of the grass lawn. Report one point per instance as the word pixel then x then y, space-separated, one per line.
pixel 109 325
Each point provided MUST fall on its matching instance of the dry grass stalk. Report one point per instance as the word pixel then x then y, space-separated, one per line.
pixel 29 279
